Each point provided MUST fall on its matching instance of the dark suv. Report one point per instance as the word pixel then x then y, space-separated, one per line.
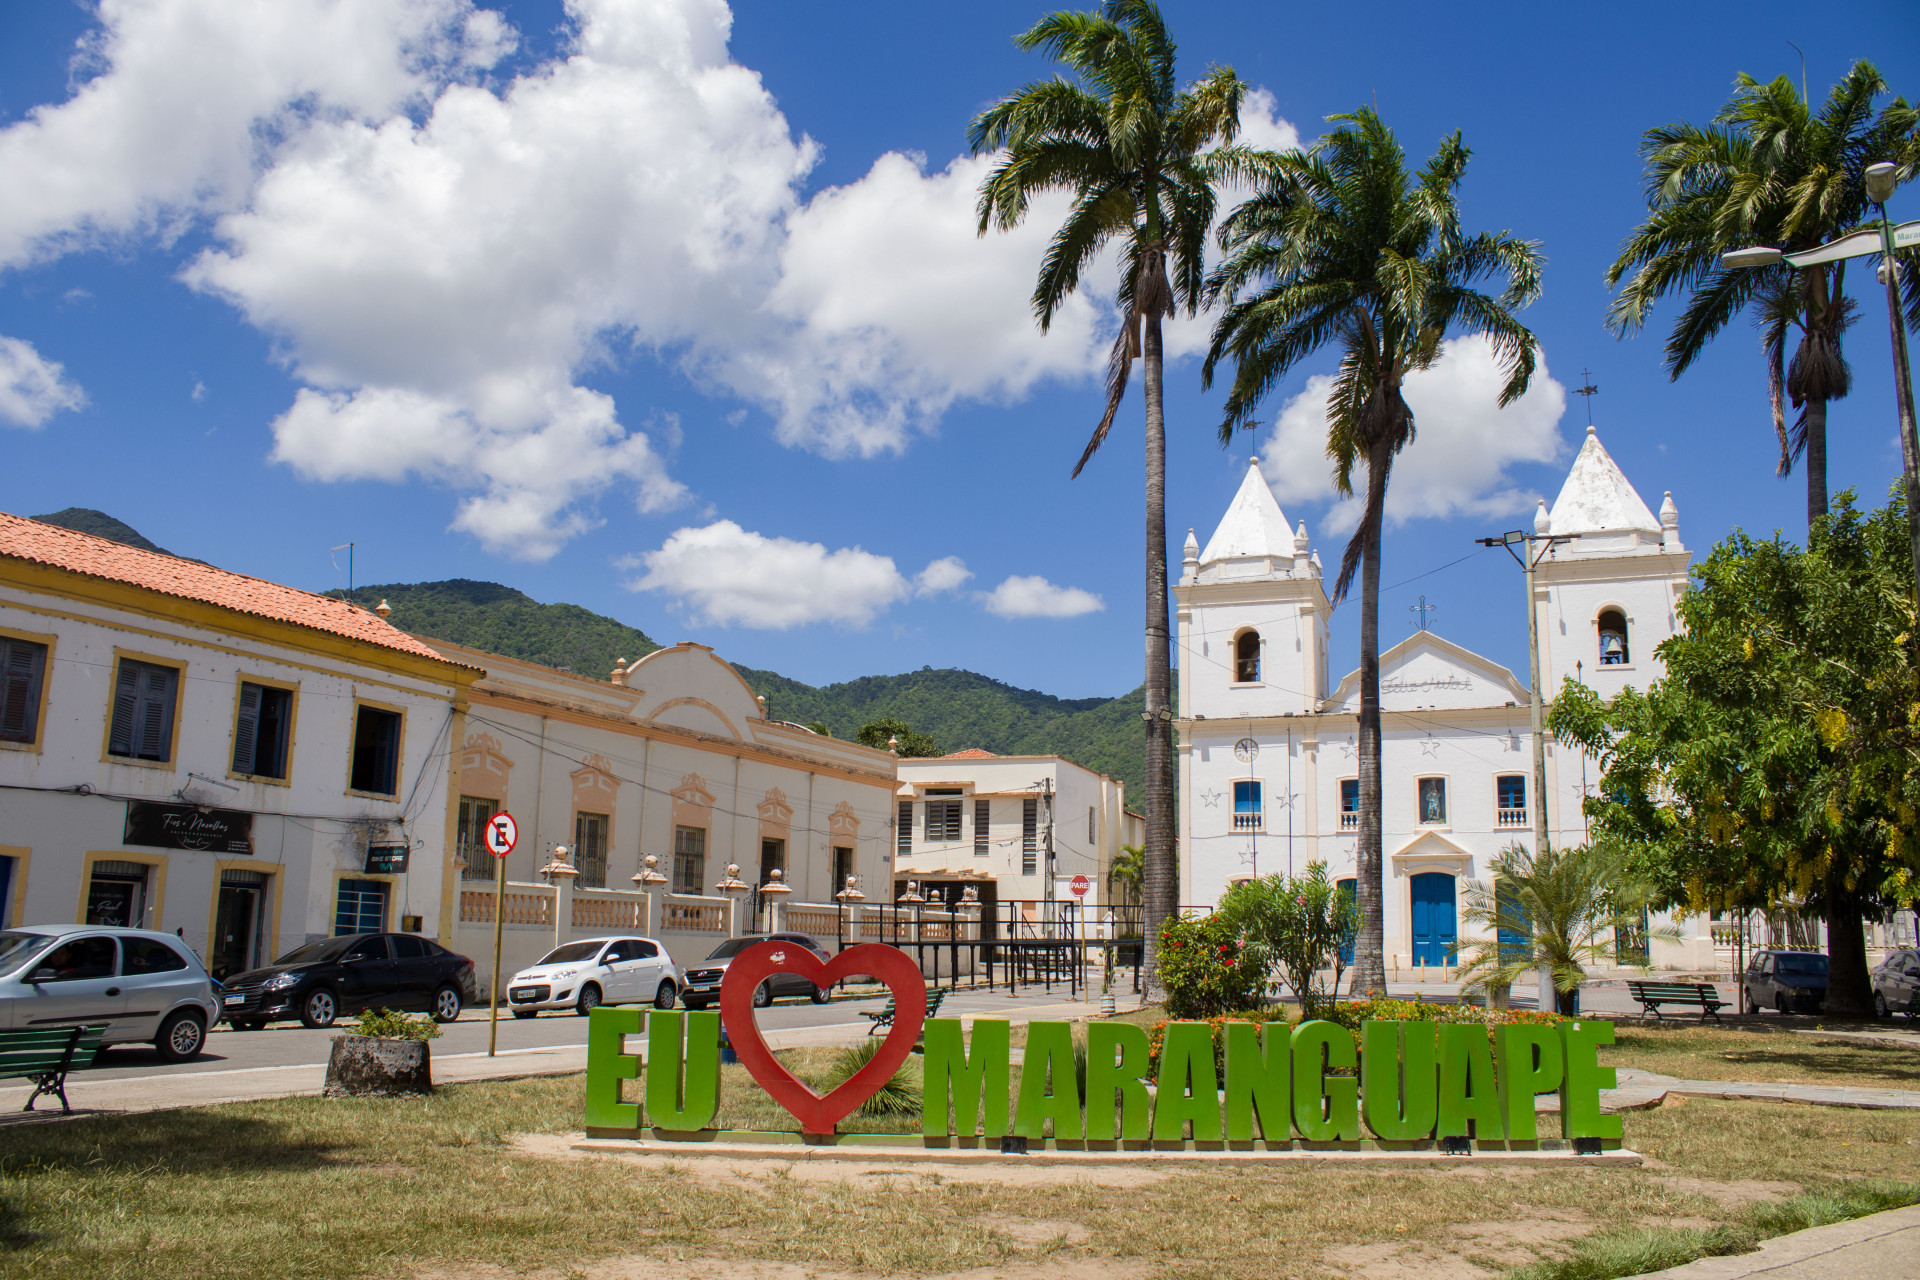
pixel 704 976
pixel 321 981
pixel 1789 981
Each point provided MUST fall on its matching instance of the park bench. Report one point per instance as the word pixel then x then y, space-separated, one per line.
pixel 884 1018
pixel 1703 996
pixel 44 1055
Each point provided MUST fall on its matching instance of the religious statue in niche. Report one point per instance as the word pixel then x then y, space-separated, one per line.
pixel 1433 800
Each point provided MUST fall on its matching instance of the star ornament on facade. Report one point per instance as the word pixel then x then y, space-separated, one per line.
pixel 1347 749
pixel 1430 746
pixel 1212 798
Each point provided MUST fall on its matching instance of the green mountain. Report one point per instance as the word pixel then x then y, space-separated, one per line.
pixel 100 525
pixel 958 709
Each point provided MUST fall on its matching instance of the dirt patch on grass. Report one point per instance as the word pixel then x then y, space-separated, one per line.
pixel 667 1264
pixel 1738 1194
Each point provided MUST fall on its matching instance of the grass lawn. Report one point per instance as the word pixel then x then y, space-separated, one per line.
pixel 1760 1051
pixel 311 1187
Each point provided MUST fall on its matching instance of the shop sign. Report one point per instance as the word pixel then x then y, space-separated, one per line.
pixel 187 826
pixel 386 860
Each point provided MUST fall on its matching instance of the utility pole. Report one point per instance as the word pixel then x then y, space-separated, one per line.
pixel 1046 848
pixel 1529 559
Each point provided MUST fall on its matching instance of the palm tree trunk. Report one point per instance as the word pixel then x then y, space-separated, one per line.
pixel 1162 880
pixel 1369 943
pixel 1816 461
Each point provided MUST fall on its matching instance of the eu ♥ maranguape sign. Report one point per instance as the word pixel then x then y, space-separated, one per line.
pixel 1269 1085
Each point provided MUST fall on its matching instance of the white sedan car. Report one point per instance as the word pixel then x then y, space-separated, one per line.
pixel 587 972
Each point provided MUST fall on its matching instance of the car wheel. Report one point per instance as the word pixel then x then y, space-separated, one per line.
pixel 446 1004
pixel 181 1038
pixel 1880 1009
pixel 319 1009
pixel 821 995
pixel 589 1000
pixel 663 998
pixel 526 1013
pixel 763 995
pixel 695 1005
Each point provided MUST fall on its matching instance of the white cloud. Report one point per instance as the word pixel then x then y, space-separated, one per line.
pixel 1034 597
pixel 32 387
pixel 439 255
pixel 943 575
pixel 723 575
pixel 1464 443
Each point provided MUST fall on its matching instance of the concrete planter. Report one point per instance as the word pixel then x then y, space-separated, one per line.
pixel 374 1065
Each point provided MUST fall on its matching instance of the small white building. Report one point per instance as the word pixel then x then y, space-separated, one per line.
pixel 192 750
pixel 1015 828
pixel 1268 752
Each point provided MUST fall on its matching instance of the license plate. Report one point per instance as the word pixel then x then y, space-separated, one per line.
pixel 236 999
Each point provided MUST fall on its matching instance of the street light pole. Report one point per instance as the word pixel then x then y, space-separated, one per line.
pixel 1529 559
pixel 1880 183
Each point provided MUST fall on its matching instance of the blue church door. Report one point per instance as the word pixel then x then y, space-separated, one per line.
pixel 1434 927
pixel 1348 888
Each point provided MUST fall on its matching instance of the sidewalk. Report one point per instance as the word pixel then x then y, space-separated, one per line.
pixel 1884 1244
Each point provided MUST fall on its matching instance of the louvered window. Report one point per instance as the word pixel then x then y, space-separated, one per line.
pixel 689 860
pixel 143 698
pixel 982 811
pixel 376 752
pixel 903 829
pixel 260 731
pixel 23 670
pixel 943 821
pixel 590 849
pixel 1029 837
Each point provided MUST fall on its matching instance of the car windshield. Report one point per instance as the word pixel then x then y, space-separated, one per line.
pixel 16 948
pixel 1814 965
pixel 732 947
pixel 325 949
pixel 572 952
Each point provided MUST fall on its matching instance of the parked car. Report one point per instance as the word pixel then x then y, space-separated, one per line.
pixel 588 972
pixel 1896 984
pixel 1788 981
pixel 703 981
pixel 321 981
pixel 143 985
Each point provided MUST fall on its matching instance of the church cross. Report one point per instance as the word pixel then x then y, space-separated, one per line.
pixel 1588 391
pixel 1421 611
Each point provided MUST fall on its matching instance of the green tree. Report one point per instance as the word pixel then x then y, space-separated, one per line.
pixel 1343 246
pixel 878 733
pixel 1774 763
pixel 1300 923
pixel 1559 911
pixel 1769 171
pixel 1127 874
pixel 1140 156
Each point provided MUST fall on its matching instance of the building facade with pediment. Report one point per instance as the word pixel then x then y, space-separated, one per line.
pixel 1268 746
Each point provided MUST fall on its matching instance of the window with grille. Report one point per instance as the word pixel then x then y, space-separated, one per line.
pixel 260 730
pixel 903 829
pixel 590 849
pixel 943 821
pixel 476 860
pixel 376 752
pixel 689 859
pixel 982 815
pixel 143 704
pixel 1029 837
pixel 842 868
pixel 23 671
pixel 361 908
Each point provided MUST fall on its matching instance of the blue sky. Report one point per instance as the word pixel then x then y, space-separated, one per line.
pixel 693 330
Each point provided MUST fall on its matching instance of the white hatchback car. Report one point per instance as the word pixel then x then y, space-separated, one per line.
pixel 142 985
pixel 587 972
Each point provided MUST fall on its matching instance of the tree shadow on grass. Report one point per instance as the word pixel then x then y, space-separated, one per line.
pixel 175 1142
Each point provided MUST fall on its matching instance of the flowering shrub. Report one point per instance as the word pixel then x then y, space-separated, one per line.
pixel 1350 1014
pixel 1207 968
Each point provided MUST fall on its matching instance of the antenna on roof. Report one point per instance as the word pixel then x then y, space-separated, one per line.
pixel 1589 391
pixel 348 548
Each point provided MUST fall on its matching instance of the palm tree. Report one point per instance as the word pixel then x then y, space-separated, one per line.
pixel 1140 156
pixel 1127 874
pixel 1560 911
pixel 1343 246
pixel 1767 171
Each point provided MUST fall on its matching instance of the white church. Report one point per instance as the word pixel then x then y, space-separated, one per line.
pixel 1269 767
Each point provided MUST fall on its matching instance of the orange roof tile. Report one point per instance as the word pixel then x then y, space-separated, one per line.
pixel 83 553
pixel 971 753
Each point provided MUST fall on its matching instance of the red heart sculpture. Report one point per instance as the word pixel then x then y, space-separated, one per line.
pixel 757 963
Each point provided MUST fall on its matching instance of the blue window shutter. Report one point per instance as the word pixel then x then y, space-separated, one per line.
pixel 155 715
pixel 126 705
pixel 246 728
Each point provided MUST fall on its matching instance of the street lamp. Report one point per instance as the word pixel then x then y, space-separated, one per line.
pixel 1883 240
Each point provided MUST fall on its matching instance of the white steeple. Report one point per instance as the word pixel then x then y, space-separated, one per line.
pixel 1253 526
pixel 1597 499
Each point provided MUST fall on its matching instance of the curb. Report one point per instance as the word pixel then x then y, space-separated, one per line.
pixel 1870 1239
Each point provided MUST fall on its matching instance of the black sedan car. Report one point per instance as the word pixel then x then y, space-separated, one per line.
pixel 1789 981
pixel 323 980
pixel 704 976
pixel 1896 984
